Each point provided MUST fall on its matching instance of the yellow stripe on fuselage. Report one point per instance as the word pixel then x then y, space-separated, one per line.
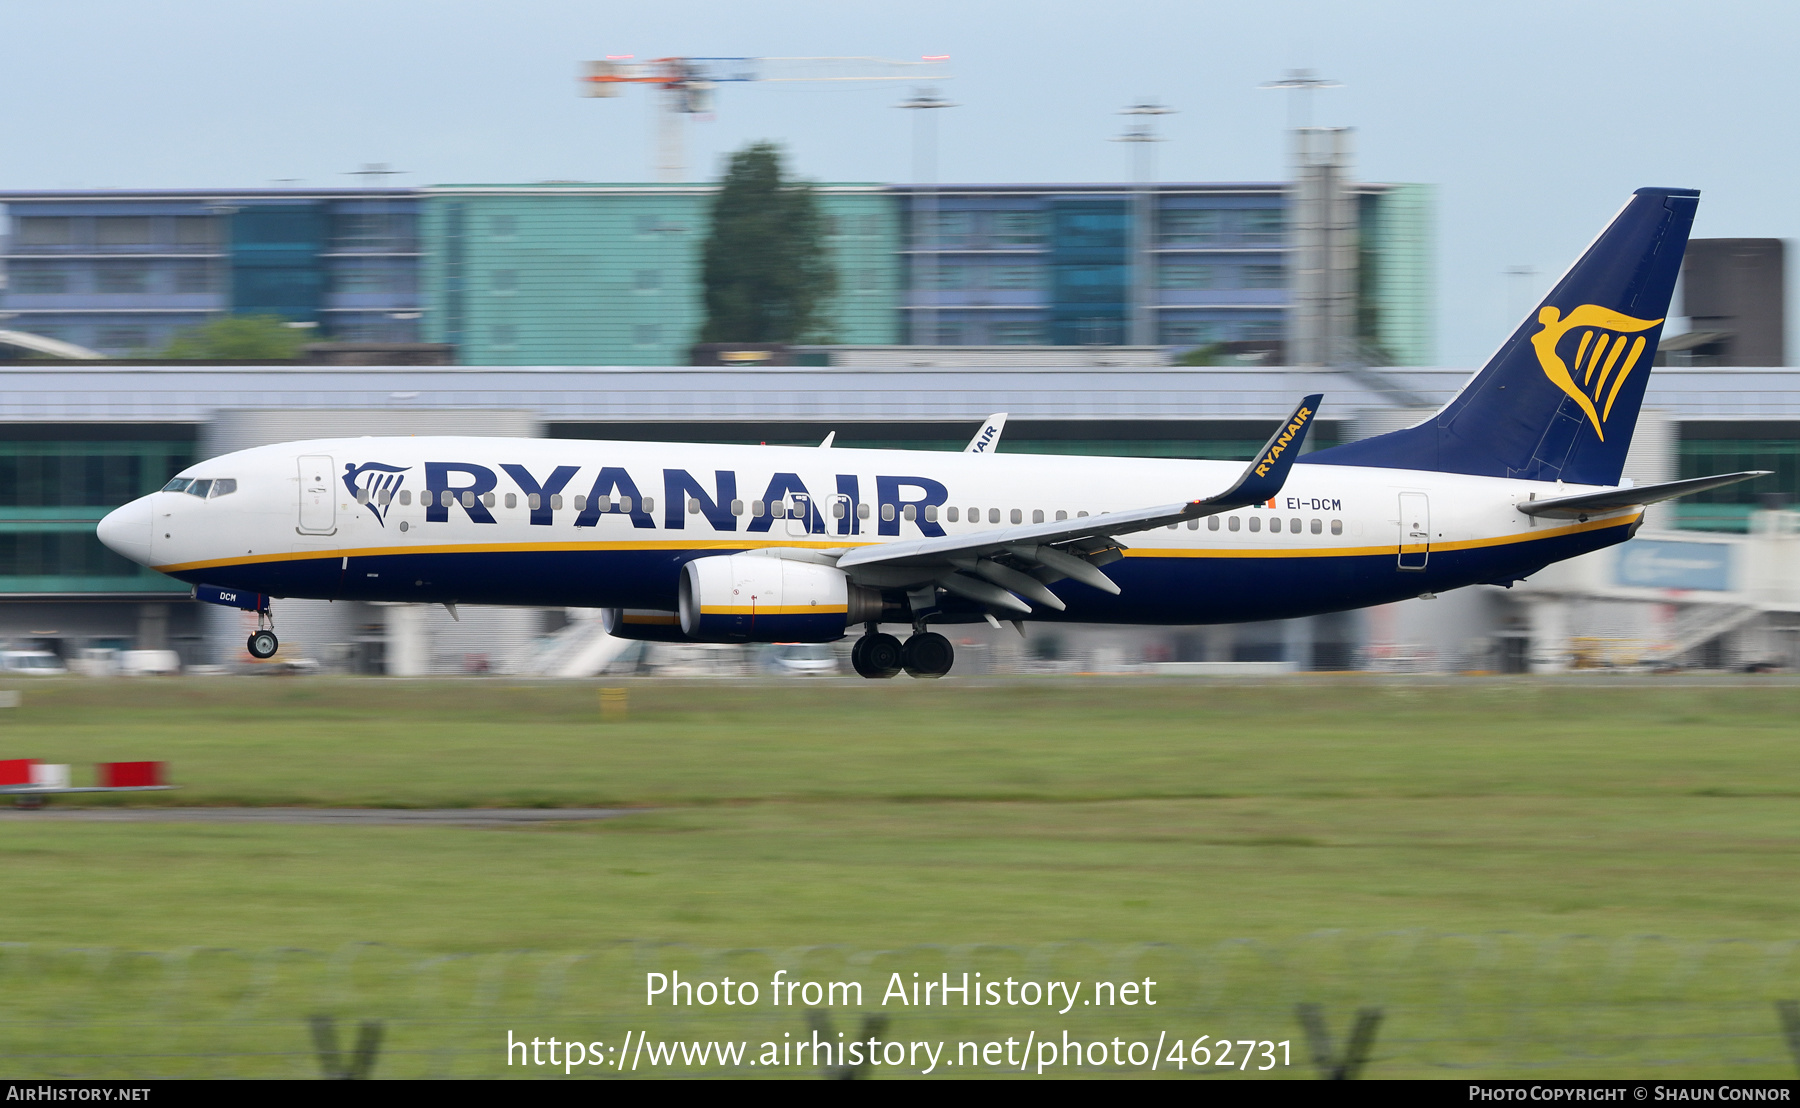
pixel 1388 548
pixel 838 544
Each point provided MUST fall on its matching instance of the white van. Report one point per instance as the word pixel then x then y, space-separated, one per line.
pixel 149 663
pixel 36 663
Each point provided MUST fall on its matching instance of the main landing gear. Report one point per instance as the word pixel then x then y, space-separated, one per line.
pixel 924 654
pixel 262 643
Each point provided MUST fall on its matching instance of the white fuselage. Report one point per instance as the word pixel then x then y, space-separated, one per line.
pixel 364 519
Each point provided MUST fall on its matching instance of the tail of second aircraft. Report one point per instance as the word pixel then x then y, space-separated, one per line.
pixel 1560 400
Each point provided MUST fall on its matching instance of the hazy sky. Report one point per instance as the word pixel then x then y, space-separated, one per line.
pixel 1534 119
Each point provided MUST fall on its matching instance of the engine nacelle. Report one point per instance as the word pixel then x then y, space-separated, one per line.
pixel 753 598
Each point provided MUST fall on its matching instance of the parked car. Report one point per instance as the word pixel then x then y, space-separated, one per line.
pixel 36 663
pixel 803 659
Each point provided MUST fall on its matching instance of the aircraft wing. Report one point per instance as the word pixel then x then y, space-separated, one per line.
pixel 990 566
pixel 1584 504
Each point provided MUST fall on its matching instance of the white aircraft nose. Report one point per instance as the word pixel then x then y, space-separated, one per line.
pixel 126 530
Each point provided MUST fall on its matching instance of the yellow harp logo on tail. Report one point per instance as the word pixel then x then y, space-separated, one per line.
pixel 1601 360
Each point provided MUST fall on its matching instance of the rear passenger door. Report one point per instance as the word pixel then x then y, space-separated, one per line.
pixel 1415 530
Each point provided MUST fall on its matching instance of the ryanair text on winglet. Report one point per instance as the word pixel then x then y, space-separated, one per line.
pixel 1281 442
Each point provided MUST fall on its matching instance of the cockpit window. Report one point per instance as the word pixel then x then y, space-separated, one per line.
pixel 224 486
pixel 179 484
pixel 200 489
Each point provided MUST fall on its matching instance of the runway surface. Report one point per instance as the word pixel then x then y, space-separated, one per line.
pixel 462 817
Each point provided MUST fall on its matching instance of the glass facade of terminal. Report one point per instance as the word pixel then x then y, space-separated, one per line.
pixel 610 274
pixel 121 272
pixel 1708 448
pixel 586 274
pixel 1004 265
pixel 56 481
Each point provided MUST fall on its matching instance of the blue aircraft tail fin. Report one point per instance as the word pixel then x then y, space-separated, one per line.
pixel 1560 400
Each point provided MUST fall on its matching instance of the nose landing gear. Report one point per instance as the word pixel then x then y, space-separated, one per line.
pixel 262 643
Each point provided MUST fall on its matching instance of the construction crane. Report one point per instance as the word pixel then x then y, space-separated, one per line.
pixel 686 85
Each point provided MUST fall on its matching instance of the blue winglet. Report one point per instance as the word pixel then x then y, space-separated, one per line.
pixel 1265 475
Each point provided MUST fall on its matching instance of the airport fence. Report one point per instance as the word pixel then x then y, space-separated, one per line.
pixel 1422 1005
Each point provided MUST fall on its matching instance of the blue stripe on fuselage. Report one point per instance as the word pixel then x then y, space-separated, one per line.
pixel 1154 589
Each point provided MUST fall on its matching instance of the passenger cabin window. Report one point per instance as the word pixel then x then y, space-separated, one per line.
pixel 1233 523
pixel 1062 515
pixel 405 497
pixel 1294 526
pixel 862 511
pixel 910 513
pixel 535 501
pixel 887 512
pixel 1316 528
pixel 837 510
pixel 488 499
pixel 758 509
pixel 512 500
pixel 1255 523
pixel 1212 523
pixel 1037 515
pixel 693 506
pixel 993 515
pixel 1337 526
pixel 777 509
pixel 1274 525
pixel 580 503
pixel 556 502
pixel 931 513
pixel 737 507
pixel 952 514
pixel 1194 524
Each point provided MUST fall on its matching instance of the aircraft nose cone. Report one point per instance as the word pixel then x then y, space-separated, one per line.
pixel 126 530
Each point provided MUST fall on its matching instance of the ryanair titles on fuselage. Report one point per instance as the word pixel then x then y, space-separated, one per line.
pixel 615 490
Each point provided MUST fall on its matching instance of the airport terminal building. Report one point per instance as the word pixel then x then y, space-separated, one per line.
pixel 572 273
pixel 1711 580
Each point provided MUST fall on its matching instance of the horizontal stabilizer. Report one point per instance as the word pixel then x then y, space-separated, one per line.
pixel 1587 503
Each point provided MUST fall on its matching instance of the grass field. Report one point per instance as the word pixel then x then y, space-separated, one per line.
pixel 1021 812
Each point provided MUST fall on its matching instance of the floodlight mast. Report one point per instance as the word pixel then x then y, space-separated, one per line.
pixel 1142 133
pixel 687 86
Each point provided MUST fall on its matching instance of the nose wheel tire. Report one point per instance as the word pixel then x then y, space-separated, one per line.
pixel 263 644
pixel 927 654
pixel 876 656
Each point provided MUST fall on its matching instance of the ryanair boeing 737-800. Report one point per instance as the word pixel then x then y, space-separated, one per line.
pixel 706 543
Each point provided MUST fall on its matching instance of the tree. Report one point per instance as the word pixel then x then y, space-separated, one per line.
pixel 237 338
pixel 766 271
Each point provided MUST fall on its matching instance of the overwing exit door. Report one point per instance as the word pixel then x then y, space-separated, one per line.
pixel 1415 530
pixel 799 513
pixel 318 500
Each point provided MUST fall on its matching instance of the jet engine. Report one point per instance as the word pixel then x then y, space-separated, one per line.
pixel 754 598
